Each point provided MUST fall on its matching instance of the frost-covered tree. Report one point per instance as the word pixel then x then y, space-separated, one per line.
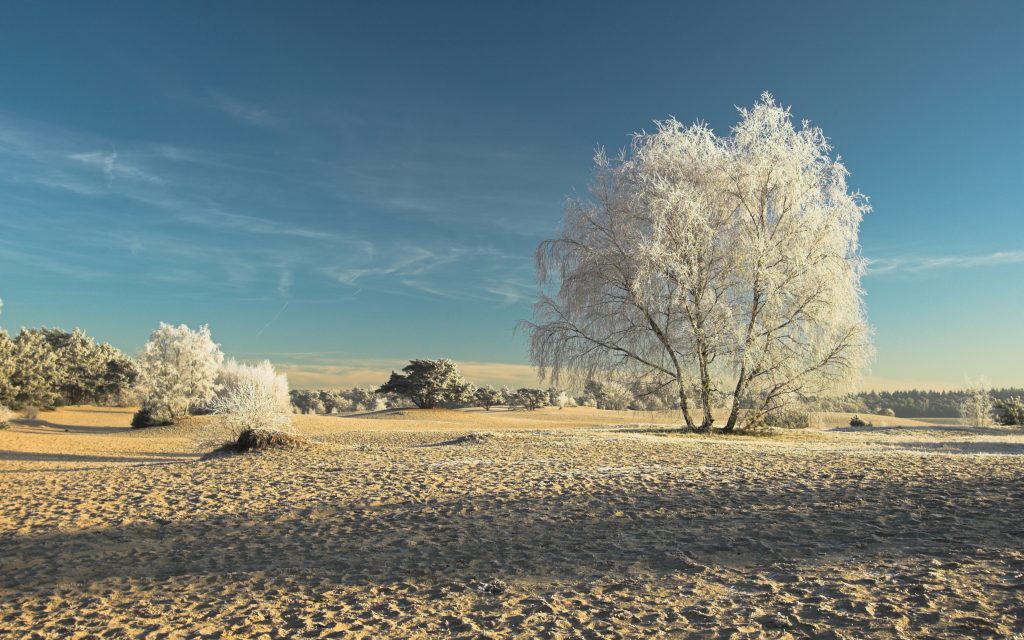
pixel 531 399
pixel 725 266
pixel 976 409
pixel 118 376
pixel 178 369
pixel 7 350
pixel 36 374
pixel 1010 411
pixel 428 383
pixel 362 399
pixel 563 400
pixel 232 373
pixel 306 401
pixel 81 365
pixel 614 396
pixel 487 397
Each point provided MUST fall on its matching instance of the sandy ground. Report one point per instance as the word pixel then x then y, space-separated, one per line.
pixel 553 524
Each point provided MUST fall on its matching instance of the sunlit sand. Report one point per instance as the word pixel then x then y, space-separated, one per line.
pixel 555 523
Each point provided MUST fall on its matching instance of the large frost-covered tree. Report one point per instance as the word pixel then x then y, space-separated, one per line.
pixel 178 369
pixel 725 266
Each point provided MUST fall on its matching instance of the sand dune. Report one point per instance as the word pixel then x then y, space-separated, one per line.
pixel 558 524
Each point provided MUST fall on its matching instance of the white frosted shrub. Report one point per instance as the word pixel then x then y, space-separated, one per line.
pixel 252 403
pixel 233 372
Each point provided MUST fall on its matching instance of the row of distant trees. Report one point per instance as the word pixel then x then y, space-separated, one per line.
pixel 182 371
pixel 912 404
pixel 439 383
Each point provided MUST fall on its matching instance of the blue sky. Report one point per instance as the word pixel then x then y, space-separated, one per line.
pixel 340 186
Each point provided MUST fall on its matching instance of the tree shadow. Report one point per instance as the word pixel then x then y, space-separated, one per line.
pixel 950 429
pixel 962 447
pixel 147 457
pixel 45 426
pixel 583 535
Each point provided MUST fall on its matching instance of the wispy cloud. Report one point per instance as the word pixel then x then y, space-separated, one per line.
pixel 213 216
pixel 184 215
pixel 243 112
pixel 112 168
pixel 408 261
pixel 880 266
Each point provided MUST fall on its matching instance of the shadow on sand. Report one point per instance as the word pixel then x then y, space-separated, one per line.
pixel 45 426
pixel 935 429
pixel 583 534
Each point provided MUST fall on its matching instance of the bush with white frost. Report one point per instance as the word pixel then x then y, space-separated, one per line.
pixel 5 416
pixel 178 369
pixel 232 373
pixel 252 403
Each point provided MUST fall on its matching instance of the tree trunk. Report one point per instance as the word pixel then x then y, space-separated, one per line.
pixel 734 412
pixel 705 395
pixel 683 405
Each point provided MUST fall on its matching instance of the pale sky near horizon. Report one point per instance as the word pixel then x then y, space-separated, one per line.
pixel 341 187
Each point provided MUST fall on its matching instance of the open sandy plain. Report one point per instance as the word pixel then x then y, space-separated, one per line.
pixel 570 523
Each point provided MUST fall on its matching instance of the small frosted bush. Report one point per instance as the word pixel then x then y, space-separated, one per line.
pixel 252 404
pixel 232 373
pixel 5 416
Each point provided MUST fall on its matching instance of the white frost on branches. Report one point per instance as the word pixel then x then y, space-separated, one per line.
pixel 177 369
pixel 253 401
pixel 726 267
pixel 977 408
pixel 233 373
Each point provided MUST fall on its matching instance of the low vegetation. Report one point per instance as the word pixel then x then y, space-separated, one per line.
pixel 261 440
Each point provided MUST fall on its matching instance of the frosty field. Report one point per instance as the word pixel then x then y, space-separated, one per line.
pixel 571 523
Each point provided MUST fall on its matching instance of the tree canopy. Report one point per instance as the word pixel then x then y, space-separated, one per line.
pixel 428 383
pixel 725 267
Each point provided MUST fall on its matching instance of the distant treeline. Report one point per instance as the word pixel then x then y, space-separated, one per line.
pixel 909 404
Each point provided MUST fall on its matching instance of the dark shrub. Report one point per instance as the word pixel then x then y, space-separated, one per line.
pixel 856 421
pixel 261 440
pixel 145 417
pixel 788 419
